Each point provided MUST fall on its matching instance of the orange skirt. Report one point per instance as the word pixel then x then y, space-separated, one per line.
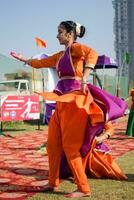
pixel 102 165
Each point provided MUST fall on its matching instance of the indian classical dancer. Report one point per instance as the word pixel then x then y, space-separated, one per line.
pixel 83 111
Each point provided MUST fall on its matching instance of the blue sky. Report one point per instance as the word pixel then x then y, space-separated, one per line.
pixel 22 20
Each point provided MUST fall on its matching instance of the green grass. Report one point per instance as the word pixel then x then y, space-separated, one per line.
pixel 21 127
pixel 102 189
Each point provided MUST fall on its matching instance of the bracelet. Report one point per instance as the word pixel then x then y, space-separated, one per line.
pixel 108 136
pixel 88 67
pixel 25 63
pixel 83 82
pixel 105 135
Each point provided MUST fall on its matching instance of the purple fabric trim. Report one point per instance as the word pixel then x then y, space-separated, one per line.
pixel 65 67
pixel 67 85
pixel 115 106
pixel 102 147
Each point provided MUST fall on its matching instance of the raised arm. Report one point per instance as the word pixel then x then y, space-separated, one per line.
pixel 50 61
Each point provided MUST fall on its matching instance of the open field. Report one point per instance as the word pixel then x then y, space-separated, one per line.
pixel 21 165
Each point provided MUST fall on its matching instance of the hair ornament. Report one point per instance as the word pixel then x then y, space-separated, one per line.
pixel 78 29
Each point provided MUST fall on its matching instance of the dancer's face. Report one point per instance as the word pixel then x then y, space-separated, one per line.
pixel 63 36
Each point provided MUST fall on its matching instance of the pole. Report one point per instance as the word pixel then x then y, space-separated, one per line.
pixel 33 78
pixel 103 80
pixel 94 77
pixel 1 127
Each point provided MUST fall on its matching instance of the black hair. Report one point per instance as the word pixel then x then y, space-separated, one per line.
pixel 71 26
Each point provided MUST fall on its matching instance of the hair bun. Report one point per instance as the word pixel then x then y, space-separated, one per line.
pixel 80 30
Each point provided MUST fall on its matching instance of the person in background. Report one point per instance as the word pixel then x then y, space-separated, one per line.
pixel 130 125
pixel 75 106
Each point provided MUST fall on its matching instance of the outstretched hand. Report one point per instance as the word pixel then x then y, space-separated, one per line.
pixel 18 56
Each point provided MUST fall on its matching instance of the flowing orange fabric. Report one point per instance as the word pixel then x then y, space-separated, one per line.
pixel 40 43
pixel 82 101
pixel 102 165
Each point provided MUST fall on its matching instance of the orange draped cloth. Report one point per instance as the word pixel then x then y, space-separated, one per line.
pixel 82 101
pixel 102 165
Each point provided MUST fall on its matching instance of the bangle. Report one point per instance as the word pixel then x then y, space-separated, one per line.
pixel 87 67
pixel 83 82
pixel 25 63
pixel 105 135
pixel 90 66
pixel 108 135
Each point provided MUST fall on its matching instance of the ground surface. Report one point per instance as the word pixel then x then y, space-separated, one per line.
pixel 23 170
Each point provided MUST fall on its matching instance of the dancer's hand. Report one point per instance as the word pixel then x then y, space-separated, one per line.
pixel 101 138
pixel 84 88
pixel 18 56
